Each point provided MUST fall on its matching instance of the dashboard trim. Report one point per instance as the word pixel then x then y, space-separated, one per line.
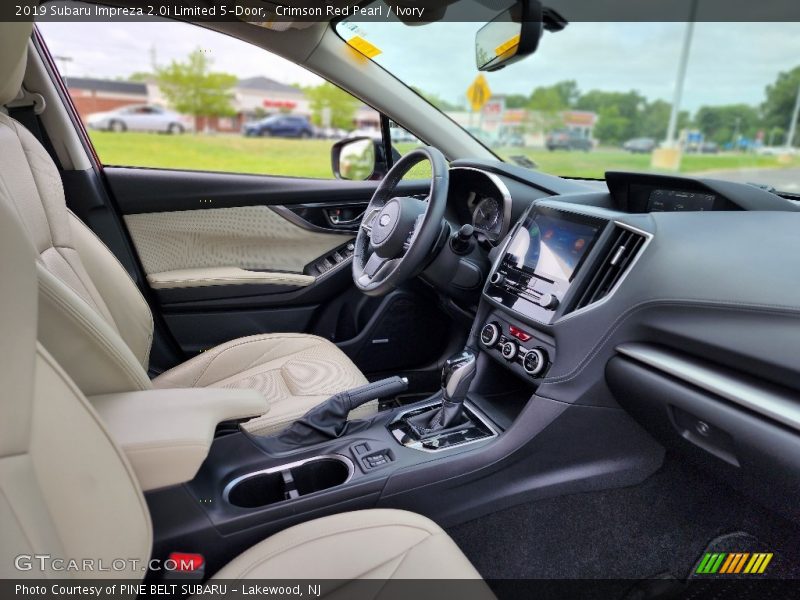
pixel 769 403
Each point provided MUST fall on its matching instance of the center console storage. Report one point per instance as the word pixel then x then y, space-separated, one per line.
pixel 290 481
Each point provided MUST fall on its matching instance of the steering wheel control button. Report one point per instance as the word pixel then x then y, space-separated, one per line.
pixel 509 350
pixel 534 362
pixel 490 334
pixel 548 301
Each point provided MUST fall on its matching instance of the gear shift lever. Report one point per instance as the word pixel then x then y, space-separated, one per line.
pixel 457 374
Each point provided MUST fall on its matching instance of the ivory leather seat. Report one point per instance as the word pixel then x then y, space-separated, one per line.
pixel 95 322
pixel 70 492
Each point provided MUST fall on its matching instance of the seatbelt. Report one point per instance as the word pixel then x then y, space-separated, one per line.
pixel 26 115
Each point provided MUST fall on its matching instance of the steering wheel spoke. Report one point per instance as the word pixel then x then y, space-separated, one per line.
pixel 397 233
pixel 369 219
pixel 374 264
pixel 412 234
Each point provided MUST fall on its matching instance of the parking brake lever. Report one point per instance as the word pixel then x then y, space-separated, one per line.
pixel 328 420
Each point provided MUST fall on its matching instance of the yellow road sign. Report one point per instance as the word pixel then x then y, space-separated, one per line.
pixel 478 93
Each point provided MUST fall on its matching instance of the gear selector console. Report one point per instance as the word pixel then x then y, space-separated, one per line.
pixel 447 422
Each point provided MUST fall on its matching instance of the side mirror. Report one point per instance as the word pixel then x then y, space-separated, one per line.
pixel 514 34
pixel 359 159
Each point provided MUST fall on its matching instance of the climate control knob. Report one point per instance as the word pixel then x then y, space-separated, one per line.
pixel 490 334
pixel 534 362
pixel 509 350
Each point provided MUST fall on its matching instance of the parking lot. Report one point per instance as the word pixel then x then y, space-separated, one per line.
pixel 311 158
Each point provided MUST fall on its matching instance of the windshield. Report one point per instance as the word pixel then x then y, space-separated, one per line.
pixel 599 96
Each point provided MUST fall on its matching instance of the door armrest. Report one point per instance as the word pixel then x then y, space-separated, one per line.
pixel 213 276
pixel 166 434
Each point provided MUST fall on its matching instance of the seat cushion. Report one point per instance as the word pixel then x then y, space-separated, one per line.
pixel 295 372
pixel 365 544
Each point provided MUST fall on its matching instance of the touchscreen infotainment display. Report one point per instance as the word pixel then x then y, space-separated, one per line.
pixel 550 246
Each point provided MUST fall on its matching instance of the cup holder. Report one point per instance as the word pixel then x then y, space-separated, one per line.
pixel 288 481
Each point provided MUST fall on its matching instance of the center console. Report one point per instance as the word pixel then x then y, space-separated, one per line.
pixel 532 282
pixel 415 456
pixel 540 262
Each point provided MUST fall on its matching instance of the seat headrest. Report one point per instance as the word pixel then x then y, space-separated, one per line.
pixel 18 314
pixel 13 57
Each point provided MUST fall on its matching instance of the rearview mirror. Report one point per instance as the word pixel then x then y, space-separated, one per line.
pixel 512 35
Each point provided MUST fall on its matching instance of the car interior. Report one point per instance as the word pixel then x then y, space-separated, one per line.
pixel 487 373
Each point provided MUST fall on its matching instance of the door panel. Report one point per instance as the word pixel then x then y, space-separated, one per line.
pixel 256 238
pixel 139 190
pixel 233 255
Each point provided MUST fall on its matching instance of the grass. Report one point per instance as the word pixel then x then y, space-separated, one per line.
pixel 311 158
pixel 594 164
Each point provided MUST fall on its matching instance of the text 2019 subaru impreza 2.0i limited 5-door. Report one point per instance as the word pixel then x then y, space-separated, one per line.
pixel 413 360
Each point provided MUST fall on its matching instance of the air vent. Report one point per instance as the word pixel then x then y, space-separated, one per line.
pixel 620 254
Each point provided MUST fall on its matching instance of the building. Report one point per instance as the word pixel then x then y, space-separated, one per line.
pixel 495 124
pixel 581 122
pixel 102 95
pixel 253 97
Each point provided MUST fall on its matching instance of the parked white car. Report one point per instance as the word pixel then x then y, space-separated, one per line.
pixel 140 117
pixel 398 134
pixel 775 150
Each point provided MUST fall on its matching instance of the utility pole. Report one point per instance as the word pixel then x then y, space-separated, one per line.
pixel 681 77
pixel 735 138
pixel 793 123
pixel 64 60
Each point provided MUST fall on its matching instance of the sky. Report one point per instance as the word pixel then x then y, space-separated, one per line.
pixel 729 62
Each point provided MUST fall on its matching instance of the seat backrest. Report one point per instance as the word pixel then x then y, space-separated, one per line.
pixel 93 319
pixel 66 490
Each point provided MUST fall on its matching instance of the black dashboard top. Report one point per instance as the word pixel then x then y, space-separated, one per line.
pixel 637 193
pixel 648 193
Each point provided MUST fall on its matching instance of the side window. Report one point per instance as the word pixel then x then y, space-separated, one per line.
pixel 131 83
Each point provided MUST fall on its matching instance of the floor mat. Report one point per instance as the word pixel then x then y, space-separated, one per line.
pixel 660 526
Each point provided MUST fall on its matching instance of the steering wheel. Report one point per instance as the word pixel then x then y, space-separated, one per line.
pixel 397 233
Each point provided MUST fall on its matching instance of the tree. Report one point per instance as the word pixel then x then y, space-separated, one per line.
pixel 193 89
pixel 517 101
pixel 653 118
pixel 342 105
pixel 437 100
pixel 568 91
pixel 612 127
pixel 781 97
pixel 140 76
pixel 722 123
pixel 619 114
pixel 546 105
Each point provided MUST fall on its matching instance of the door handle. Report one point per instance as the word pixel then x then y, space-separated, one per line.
pixel 338 217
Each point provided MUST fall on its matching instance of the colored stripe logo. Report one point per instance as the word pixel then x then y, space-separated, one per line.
pixel 734 563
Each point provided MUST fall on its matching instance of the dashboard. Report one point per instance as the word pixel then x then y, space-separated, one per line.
pixel 673 298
